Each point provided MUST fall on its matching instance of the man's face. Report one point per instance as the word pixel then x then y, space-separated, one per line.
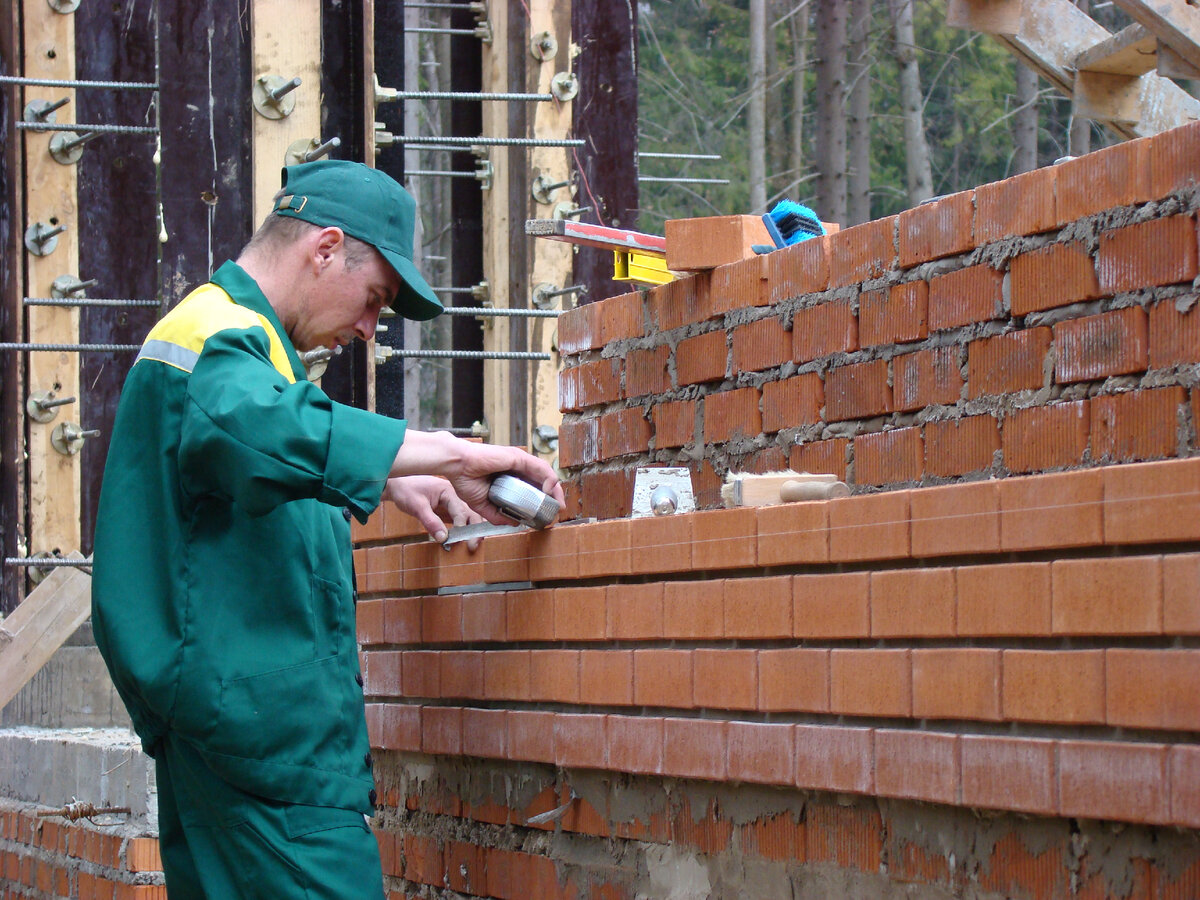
pixel 347 303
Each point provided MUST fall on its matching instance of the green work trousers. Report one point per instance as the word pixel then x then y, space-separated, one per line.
pixel 220 843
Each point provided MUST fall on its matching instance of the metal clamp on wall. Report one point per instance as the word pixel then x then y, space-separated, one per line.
pixel 272 96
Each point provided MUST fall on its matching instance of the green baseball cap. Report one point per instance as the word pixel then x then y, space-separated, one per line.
pixel 369 205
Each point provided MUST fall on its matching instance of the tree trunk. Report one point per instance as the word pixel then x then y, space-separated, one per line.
pixel 858 189
pixel 830 137
pixel 777 146
pixel 798 24
pixel 918 171
pixel 757 117
pixel 1025 121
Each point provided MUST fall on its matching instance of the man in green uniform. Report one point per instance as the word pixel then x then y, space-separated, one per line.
pixel 223 593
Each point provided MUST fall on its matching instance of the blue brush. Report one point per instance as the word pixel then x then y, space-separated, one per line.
pixel 789 223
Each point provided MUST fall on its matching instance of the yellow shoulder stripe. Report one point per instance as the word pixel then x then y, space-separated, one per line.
pixel 179 337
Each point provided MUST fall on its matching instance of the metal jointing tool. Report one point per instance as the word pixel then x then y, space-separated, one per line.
pixel 517 499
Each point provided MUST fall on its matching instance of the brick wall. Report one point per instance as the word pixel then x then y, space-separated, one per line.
pixel 978 674
pixel 43 858
pixel 1039 324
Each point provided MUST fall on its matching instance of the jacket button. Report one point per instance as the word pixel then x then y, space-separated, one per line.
pixel 358 678
pixel 368 760
pixel 346 513
pixel 372 797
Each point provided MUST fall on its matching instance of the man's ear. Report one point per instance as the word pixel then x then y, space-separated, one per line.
pixel 329 242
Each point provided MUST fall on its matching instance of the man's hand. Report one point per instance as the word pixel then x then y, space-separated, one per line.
pixel 470 468
pixel 432 501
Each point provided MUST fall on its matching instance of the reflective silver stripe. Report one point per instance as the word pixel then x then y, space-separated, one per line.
pixel 171 354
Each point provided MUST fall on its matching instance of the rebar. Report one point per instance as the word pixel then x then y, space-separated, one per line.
pixel 438 174
pixel 31 562
pixel 73 348
pixel 464 32
pixel 452 290
pixel 493 311
pixel 54 82
pixel 413 143
pixel 680 155
pixel 684 180
pixel 68 301
pixel 467 354
pixel 479 96
pixel 76 126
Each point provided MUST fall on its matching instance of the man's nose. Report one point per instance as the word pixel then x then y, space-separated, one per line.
pixel 365 327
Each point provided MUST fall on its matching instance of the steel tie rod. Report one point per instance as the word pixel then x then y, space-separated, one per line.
pixel 467 354
pixel 48 563
pixel 77 126
pixel 679 155
pixel 497 311
pixel 472 95
pixel 73 348
pixel 54 82
pixel 429 142
pixel 684 180
pixel 85 301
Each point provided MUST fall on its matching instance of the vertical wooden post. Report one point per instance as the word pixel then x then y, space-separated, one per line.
pixel 50 198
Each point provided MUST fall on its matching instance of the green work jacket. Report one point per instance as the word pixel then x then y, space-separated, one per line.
pixel 223 588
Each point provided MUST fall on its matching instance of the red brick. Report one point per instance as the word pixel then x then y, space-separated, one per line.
pixel 1060 686
pixel 1153 688
pixel 912 603
pixel 483 614
pixel 759 345
pixel 459 565
pixel 580 614
pixel 793 680
pixel 1046 437
pixel 758 607
pixel 1009 773
pixel 599 382
pixel 660 544
pixel 861 252
pixel 1181 594
pixel 870 682
pixel 732 414
pixel 832 605
pixel 646 371
pixel 956 683
pixel 420 568
pixel 596 324
pixel 894 315
pixel 798 269
pixel 392 726
pixel 694 609
pixel 461 674
pixel 724 538
pixel 1113 176
pixel 779 837
pixel 826 328
pixel 761 753
pixel 831 758
pixel 530 615
pixel 1174 159
pixel 793 533
pixel 531 735
pixel 792 401
pixel 1049 511
pixel 927 378
pixel 1006 599
pixel 635 611
pixel 917 765
pixel 857 391
pixel 441 730
pixel 1112 343
pixel 506 675
pixel 725 679
pixel 484 733
pixel 851 837
pixel 1108 596
pixel 662 678
pixel 368 616
pixel 1137 425
pixel 936 229
pixel 423 860
pixel 554 676
pixel 957 518
pixel 604 550
pixel 441 619
pixel 1052 276
pixel 606 495
pixel 888 457
pixel 1161 251
pixel 465 867
pixel 635 744
pixel 695 748
pixel 1174 335
pixel 553 554
pixel 681 302
pixel 701 358
pixel 739 285
pixel 820 457
pixel 964 297
pixel 1147 502
pixel 674 423
pixel 578 442
pixel 871 526
pixel 1184 762
pixel 624 432
pixel 579 741
pixel 1016 206
pixel 1008 363
pixel 1111 780
pixel 421 673
pixel 606 677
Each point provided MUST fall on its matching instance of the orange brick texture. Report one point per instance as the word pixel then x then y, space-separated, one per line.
pixel 1013 356
pixel 52 858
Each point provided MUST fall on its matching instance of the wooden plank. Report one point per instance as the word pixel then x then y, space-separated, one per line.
pixel 285 42
pixel 50 195
pixel 1175 22
pixel 1172 65
pixel 1131 51
pixel 37 628
pixel 552 261
pixel 996 17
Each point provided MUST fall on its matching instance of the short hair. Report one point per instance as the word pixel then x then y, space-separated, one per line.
pixel 278 231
